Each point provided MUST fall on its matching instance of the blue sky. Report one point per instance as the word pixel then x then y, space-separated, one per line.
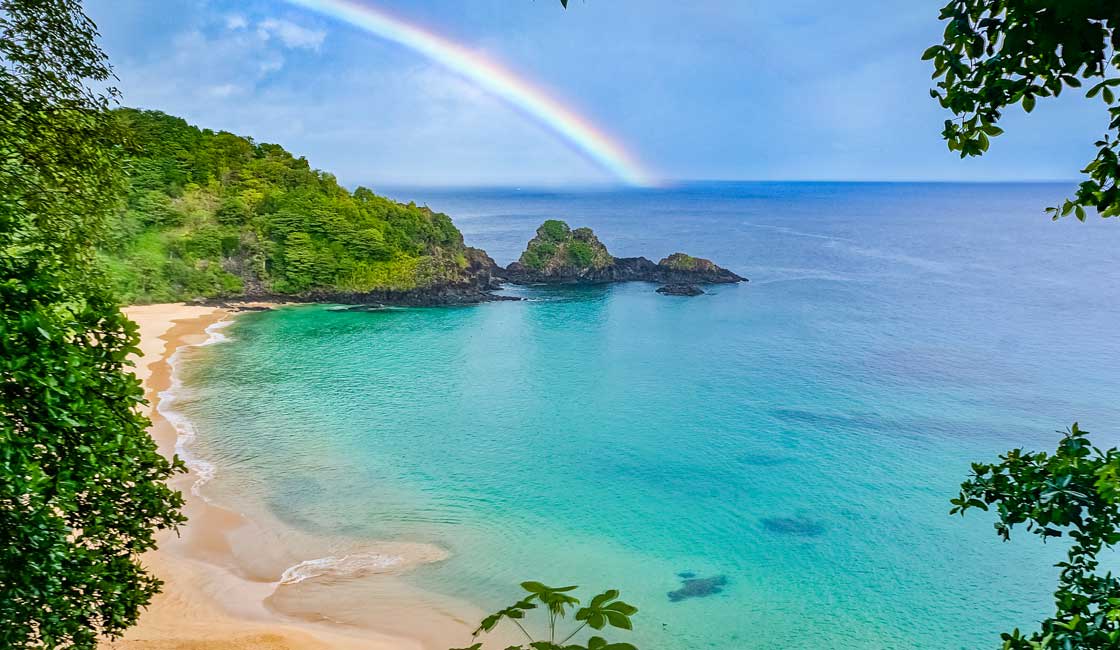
pixel 701 89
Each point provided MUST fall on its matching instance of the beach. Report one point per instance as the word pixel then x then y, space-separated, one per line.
pixel 207 600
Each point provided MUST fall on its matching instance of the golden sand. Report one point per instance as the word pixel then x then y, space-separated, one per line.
pixel 206 602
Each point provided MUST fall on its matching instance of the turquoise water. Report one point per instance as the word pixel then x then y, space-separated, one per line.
pixel 800 435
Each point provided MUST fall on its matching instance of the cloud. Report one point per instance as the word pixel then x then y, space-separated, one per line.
pixel 236 21
pixel 224 90
pixel 291 34
pixel 270 63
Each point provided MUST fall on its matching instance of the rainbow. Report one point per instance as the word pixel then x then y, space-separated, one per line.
pixel 571 127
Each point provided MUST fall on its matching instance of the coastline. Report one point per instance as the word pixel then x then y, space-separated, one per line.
pixel 210 599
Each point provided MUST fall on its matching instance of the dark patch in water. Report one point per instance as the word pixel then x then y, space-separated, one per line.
pixel 686 574
pixel 697 587
pixel 799 526
pixel 764 460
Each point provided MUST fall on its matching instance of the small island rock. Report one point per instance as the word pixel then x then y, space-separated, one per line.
pixel 560 255
pixel 680 290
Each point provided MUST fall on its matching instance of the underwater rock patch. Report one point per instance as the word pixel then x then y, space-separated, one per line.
pixel 799 526
pixel 697 587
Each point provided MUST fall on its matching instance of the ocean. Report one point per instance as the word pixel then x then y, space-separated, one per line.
pixel 796 438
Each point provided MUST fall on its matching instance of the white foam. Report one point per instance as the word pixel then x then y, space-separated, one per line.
pixel 347 566
pixel 184 428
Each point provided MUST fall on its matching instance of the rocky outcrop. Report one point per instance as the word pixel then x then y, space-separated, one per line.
pixel 560 255
pixel 468 279
pixel 556 255
pixel 680 290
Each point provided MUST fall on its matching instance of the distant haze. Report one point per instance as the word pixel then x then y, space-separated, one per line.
pixel 798 89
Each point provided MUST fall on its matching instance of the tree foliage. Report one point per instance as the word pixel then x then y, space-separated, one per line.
pixel 996 54
pixel 213 214
pixel 604 610
pixel 999 53
pixel 1073 493
pixel 81 483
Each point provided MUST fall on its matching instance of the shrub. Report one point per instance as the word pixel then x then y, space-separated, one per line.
pixel 603 610
pixel 553 230
pixel 580 253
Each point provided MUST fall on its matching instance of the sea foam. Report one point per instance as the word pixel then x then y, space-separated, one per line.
pixel 184 428
pixel 348 566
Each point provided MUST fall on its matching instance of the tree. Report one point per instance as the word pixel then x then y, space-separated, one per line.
pixel 82 488
pixel 1074 492
pixel 213 214
pixel 999 53
pixel 996 54
pixel 603 610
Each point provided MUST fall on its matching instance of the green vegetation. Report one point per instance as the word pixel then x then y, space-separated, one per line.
pixel 214 214
pixel 81 483
pixel 1073 492
pixel 999 53
pixel 554 230
pixel 603 610
pixel 556 246
pixel 580 254
pixel 681 262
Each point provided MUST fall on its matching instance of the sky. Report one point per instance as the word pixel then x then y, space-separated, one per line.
pixel 693 89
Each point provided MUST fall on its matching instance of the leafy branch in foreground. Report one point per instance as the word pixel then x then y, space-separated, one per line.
pixel 603 610
pixel 82 488
pixel 999 53
pixel 1074 492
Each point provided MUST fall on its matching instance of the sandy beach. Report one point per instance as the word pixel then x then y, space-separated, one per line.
pixel 207 602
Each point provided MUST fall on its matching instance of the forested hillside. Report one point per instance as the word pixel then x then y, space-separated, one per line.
pixel 215 214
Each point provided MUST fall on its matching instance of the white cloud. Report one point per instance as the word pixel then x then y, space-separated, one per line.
pixel 270 63
pixel 236 21
pixel 291 34
pixel 224 90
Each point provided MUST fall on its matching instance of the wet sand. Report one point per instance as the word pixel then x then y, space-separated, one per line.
pixel 207 602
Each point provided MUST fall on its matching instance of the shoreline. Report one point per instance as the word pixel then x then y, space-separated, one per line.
pixel 210 598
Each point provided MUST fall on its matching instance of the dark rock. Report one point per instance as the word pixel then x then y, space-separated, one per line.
pixel 680 290
pixel 698 588
pixel 437 295
pixel 549 259
pixel 483 271
pixel 679 268
pixel 797 526
pixel 360 308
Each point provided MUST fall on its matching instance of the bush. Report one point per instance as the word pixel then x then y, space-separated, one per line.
pixel 233 211
pixel 553 230
pixel 580 253
pixel 530 259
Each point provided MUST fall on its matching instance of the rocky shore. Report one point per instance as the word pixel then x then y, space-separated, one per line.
pixel 556 255
pixel 560 255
